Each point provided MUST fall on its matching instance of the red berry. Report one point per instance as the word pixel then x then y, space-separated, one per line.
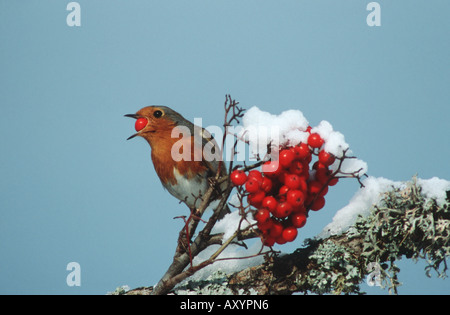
pixel 256 199
pixel 303 151
pixel 238 177
pixel 303 185
pixel 255 174
pixel 283 191
pixel 281 197
pixel 271 168
pixel 333 181
pixel 252 185
pixel 296 154
pixel 292 181
pixel 270 203
pixel 324 190
pixel 280 240
pixel 268 241
pixel 282 177
pixel 276 229
pixel 318 165
pixel 323 174
pixel 314 187
pixel 317 188
pixel 300 209
pixel 283 210
pixel 315 140
pixel 286 157
pixel 140 124
pixel 265 226
pixel 296 168
pixel 318 203
pixel 289 234
pixel 326 158
pixel 262 216
pixel 296 198
pixel 298 220
pixel 266 184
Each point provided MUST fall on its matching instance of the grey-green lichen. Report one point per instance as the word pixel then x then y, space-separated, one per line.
pixel 215 284
pixel 120 290
pixel 336 269
pixel 407 224
pixel 404 224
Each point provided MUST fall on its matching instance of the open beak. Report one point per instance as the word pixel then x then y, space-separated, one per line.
pixel 135 117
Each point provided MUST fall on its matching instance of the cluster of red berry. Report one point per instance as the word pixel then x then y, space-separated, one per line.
pixel 285 190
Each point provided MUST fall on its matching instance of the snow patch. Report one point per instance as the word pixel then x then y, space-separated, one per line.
pixel 373 192
pixel 434 188
pixel 360 204
pixel 230 224
pixel 262 128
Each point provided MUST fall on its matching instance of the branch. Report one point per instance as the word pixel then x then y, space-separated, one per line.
pixel 404 224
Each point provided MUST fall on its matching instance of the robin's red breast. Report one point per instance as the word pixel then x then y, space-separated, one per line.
pixel 178 153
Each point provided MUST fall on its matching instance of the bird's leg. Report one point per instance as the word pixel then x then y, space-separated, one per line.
pixel 188 237
pixel 184 240
pixel 193 216
pixel 212 181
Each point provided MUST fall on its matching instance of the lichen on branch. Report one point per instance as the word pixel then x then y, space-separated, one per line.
pixel 404 224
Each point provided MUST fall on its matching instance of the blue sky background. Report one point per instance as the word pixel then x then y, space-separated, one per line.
pixel 72 188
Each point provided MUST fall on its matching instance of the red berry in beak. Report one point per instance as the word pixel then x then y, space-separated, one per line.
pixel 140 124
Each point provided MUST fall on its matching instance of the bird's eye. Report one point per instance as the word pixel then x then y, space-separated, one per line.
pixel 157 113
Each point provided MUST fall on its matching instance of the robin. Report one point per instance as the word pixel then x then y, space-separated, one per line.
pixel 186 157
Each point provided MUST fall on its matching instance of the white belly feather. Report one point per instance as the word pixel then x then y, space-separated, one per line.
pixel 188 190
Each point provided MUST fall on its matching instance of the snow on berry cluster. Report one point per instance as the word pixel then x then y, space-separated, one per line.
pixel 290 184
